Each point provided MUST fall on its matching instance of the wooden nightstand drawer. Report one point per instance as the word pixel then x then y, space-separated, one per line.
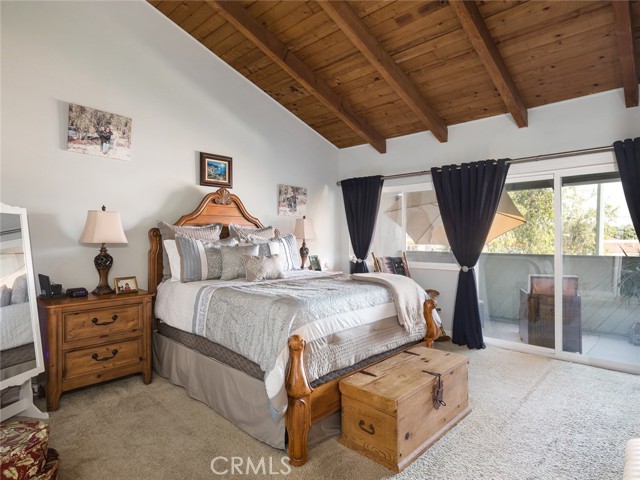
pixel 102 358
pixel 102 323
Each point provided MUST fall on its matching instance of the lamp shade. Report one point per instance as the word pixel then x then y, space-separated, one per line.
pixel 304 229
pixel 103 227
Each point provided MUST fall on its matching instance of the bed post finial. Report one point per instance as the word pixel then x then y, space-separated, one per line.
pixel 298 420
pixel 433 330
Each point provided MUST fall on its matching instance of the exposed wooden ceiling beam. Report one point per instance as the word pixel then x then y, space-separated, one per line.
pixel 351 25
pixel 626 55
pixel 484 45
pixel 278 52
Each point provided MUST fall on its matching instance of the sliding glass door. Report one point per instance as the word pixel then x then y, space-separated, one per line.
pixel 516 271
pixel 600 257
pixel 578 233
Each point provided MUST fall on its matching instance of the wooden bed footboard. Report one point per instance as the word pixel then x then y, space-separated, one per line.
pixel 306 405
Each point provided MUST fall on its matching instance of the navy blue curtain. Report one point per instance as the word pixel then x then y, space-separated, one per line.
pixel 468 198
pixel 361 201
pixel 628 158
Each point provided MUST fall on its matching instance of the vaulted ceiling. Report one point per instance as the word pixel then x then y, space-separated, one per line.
pixel 362 72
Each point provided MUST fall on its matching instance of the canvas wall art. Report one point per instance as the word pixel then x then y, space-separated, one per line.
pixel 292 201
pixel 95 132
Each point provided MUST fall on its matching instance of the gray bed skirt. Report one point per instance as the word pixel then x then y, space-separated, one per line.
pixel 235 395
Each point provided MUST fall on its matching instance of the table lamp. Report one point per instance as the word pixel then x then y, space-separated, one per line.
pixel 304 230
pixel 103 227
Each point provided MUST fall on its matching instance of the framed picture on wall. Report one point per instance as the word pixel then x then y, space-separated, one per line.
pixel 292 201
pixel 216 170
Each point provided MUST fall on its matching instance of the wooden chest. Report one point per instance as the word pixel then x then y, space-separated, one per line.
pixel 388 411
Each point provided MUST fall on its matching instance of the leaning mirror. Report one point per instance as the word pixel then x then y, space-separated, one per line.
pixel 21 356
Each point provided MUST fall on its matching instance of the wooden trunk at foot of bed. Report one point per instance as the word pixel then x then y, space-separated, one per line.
pixel 307 405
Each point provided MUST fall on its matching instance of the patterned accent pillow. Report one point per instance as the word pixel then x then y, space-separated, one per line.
pixel 393 265
pixel 265 246
pixel 288 252
pixel 241 232
pixel 232 265
pixel 200 259
pixel 168 232
pixel 263 267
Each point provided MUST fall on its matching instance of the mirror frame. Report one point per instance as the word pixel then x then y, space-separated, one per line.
pixel 21 378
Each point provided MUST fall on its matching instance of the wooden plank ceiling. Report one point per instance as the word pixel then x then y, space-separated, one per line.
pixel 361 72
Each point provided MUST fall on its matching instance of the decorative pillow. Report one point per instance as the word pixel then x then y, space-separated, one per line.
pixel 241 232
pixel 265 246
pixel 19 293
pixel 232 265
pixel 200 259
pixel 263 267
pixel 5 296
pixel 168 232
pixel 288 251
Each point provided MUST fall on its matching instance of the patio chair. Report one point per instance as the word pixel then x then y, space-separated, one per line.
pixel 400 266
pixel 537 313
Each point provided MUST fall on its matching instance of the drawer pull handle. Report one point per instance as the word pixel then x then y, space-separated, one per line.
pixel 114 352
pixel 95 321
pixel 369 430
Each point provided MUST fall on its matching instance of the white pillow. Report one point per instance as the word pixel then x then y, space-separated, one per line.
pixel 19 293
pixel 5 296
pixel 171 249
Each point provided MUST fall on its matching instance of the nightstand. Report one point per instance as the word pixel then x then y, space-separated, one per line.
pixel 89 340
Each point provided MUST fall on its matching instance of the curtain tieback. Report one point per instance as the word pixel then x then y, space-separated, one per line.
pixel 356 260
pixel 465 269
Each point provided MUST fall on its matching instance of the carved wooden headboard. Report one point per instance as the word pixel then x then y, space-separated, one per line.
pixel 217 207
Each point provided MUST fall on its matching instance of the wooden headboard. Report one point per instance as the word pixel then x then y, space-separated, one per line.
pixel 217 207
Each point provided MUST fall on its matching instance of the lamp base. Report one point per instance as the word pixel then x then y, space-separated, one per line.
pixel 304 253
pixel 103 290
pixel 103 262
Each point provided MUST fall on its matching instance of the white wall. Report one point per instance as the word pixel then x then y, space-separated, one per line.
pixel 127 58
pixel 587 122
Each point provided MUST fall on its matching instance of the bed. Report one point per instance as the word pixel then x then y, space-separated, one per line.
pixel 236 382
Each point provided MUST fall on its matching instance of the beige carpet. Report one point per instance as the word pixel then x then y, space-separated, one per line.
pixel 532 418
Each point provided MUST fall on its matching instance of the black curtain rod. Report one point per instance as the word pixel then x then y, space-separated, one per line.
pixel 534 158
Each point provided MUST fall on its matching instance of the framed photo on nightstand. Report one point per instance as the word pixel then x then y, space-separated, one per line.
pixel 315 263
pixel 126 285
